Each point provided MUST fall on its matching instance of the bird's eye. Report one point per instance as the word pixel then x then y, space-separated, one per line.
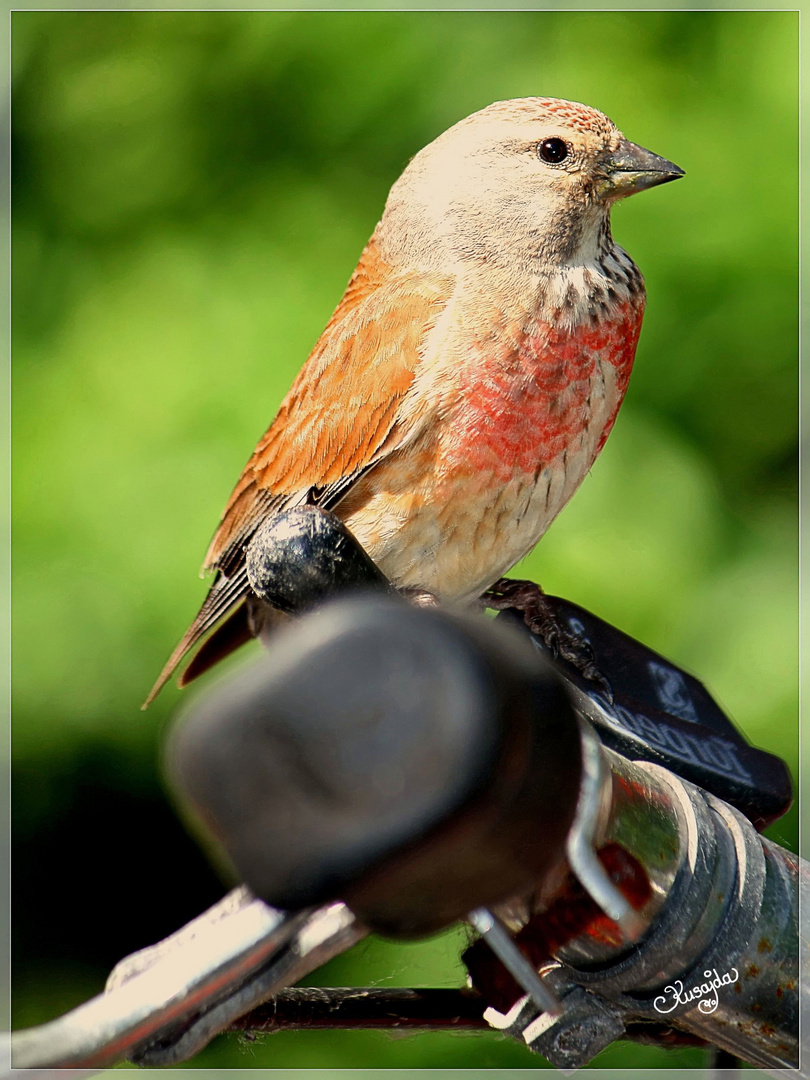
pixel 553 151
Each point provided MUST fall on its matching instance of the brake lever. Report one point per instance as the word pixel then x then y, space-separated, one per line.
pixel 165 1003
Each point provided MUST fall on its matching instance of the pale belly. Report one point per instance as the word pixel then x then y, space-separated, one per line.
pixel 452 517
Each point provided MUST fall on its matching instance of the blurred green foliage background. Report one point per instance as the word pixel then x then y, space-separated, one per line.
pixel 190 194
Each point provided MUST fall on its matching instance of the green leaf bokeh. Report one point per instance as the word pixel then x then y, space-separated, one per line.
pixel 190 194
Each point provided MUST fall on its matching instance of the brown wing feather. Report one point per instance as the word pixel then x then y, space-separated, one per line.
pixel 340 414
pixel 338 420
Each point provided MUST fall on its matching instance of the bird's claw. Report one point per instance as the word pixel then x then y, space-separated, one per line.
pixel 578 652
pixel 541 619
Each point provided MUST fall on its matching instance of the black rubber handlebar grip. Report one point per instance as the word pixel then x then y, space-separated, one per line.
pixel 413 763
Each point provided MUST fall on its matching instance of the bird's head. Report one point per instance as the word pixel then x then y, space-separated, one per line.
pixel 530 180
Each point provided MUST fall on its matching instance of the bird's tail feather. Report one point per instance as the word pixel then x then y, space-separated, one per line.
pixel 225 594
pixel 235 631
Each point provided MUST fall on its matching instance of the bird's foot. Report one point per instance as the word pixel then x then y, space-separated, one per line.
pixel 541 618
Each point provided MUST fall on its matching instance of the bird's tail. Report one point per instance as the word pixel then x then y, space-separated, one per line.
pixel 225 595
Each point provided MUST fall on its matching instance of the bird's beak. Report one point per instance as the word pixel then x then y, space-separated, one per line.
pixel 631 168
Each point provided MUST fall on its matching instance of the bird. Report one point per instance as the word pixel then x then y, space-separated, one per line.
pixel 470 375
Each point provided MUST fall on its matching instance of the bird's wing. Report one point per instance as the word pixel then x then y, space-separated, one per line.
pixel 337 422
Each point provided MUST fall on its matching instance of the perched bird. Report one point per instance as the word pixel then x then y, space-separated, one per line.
pixel 470 375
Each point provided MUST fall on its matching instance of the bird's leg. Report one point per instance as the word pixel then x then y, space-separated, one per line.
pixel 541 618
